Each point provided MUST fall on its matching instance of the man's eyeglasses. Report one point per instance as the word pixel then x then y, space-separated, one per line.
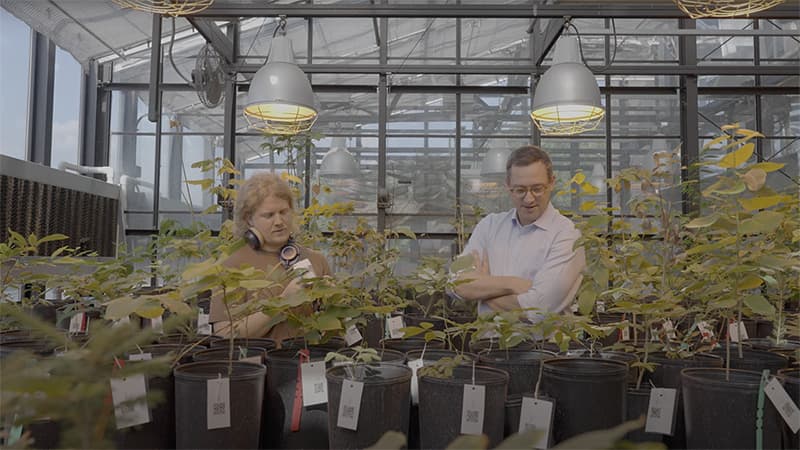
pixel 522 191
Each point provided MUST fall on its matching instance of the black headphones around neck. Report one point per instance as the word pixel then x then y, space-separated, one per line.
pixel 288 254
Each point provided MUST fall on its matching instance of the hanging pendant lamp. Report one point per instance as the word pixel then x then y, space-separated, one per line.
pixel 567 99
pixel 174 8
pixel 699 9
pixel 280 99
pixel 494 162
pixel 338 162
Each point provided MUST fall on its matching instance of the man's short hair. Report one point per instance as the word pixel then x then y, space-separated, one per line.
pixel 527 155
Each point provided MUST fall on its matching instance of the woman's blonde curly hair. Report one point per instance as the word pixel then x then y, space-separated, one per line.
pixel 254 191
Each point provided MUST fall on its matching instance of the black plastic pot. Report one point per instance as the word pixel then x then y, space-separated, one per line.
pixel 384 403
pixel 627 358
pixel 484 345
pixel 667 374
pixel 38 346
pixel 332 344
pixel 522 367
pixel 790 378
pixel 721 412
pixel 246 394
pixel 756 360
pixel 313 433
pixel 415 319
pixel 441 402
pixel 385 354
pixel 406 345
pixel 604 319
pixel 272 412
pixel 636 404
pixel 205 341
pixel 589 394
pixel 265 343
pixel 513 413
pixel 15 335
pixel 160 431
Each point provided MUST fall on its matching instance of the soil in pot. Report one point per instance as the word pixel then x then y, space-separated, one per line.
pixel 406 345
pixel 246 395
pixel 441 401
pixel 720 409
pixel 384 403
pixel 312 431
pixel 589 394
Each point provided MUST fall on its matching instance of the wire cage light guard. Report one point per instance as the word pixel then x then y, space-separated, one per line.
pixel 174 8
pixel 567 119
pixel 698 9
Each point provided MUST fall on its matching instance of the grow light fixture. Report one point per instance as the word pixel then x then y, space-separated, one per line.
pixel 338 162
pixel 174 8
pixel 280 99
pixel 699 9
pixel 567 99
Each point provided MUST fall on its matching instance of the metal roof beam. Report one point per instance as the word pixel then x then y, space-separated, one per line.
pixel 583 9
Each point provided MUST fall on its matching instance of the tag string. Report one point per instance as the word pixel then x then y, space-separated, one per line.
pixel 538 380
pixel 473 372
pixel 760 410
pixel 219 386
pixel 422 355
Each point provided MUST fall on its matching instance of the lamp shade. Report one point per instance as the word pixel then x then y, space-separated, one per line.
pixel 280 99
pixel 567 99
pixel 338 162
pixel 494 162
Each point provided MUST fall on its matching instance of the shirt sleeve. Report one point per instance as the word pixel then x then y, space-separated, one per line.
pixel 555 280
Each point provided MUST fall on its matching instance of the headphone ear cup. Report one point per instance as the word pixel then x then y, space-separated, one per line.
pixel 253 238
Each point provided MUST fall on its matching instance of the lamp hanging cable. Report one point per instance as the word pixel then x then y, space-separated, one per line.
pixel 569 24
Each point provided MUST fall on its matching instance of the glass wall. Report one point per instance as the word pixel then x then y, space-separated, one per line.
pixel 15 43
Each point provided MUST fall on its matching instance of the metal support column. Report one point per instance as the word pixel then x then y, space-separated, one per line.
pixel 40 108
pixel 88 117
pixel 155 72
pixel 383 92
pixel 690 152
pixel 102 117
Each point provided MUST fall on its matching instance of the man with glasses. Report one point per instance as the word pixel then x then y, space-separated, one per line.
pixel 524 258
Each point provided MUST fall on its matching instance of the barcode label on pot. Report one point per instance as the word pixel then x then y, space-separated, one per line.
pixel 129 396
pixel 218 404
pixel 669 327
pixel 472 407
pixel 350 404
pixel 784 404
pixel 157 324
pixel 394 324
pixel 537 414
pixel 78 323
pixel 203 327
pixel 414 365
pixel 315 387
pixel 625 334
pixel 661 411
pixel 140 357
pixel 734 330
pixel 352 336
pixel 705 331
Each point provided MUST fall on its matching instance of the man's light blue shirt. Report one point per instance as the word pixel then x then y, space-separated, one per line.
pixel 541 252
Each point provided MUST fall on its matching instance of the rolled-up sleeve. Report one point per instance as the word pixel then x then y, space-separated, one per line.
pixel 555 280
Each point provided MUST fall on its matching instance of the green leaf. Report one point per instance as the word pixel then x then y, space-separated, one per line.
pixel 755 179
pixel 52 237
pixel 586 301
pixel 579 178
pixel 763 222
pixel 122 307
pixel 469 442
pixel 150 310
pixel 767 166
pixel 750 282
pixel 752 204
pixel 525 440
pixel 759 305
pixel 391 440
pixel 176 306
pixel 717 140
pixel 602 438
pixel 204 183
pixel 598 221
pixel 327 322
pixel 588 206
pixel 737 158
pixel 589 188
pixel 462 263
pixel 256 284
pixel 702 222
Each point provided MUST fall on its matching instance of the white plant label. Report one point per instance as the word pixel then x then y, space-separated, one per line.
pixel 305 265
pixel 140 357
pixel 79 323
pixel 130 401
pixel 669 327
pixel 415 365
pixel 625 334
pixel 472 408
pixel 203 327
pixel 352 335
pixel 784 404
pixel 350 404
pixel 394 324
pixel 706 332
pixel 601 307
pixel 123 321
pixel 315 386
pixel 734 328
pixel 537 414
pixel 661 411
pixel 218 404
pixel 157 324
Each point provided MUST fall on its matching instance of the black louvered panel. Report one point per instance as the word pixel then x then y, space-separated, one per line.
pixel 28 207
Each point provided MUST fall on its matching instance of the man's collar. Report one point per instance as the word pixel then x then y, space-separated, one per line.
pixel 545 221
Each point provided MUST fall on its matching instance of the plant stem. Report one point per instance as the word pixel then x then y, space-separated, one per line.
pixel 232 328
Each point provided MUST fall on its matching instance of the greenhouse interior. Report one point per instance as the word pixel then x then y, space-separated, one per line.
pixel 490 224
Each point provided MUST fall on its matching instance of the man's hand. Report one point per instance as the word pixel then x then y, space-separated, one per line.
pixel 293 287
